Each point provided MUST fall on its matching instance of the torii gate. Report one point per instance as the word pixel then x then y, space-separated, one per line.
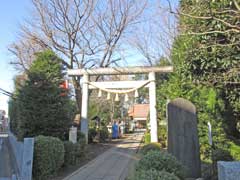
pixel 125 86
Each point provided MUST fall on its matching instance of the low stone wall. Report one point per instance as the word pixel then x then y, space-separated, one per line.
pixel 22 153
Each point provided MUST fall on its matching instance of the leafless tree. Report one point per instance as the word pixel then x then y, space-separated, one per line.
pixel 83 33
pixel 156 35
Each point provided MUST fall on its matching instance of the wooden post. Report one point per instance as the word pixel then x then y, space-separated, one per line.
pixel 153 111
pixel 84 112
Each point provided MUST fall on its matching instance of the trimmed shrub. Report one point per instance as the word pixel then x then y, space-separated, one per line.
pixel 81 137
pixel 154 175
pixel 91 135
pixel 162 135
pixel 147 138
pixel 158 160
pixel 150 147
pixel 234 151
pixel 221 155
pixel 74 153
pixel 104 134
pixel 48 157
pixel 69 155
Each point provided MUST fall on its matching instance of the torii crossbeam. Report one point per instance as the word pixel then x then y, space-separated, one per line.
pixel 107 86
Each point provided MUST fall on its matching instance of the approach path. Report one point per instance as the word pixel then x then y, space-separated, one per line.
pixel 113 164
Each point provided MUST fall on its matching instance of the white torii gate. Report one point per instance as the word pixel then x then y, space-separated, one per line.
pixel 125 86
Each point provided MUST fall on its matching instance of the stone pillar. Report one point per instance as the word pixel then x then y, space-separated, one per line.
pixel 84 111
pixel 153 111
pixel 27 159
pixel 183 140
pixel 73 135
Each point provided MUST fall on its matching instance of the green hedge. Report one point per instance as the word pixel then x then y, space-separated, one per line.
pixel 91 134
pixel 154 175
pixel 162 135
pixel 74 153
pixel 150 147
pixel 48 157
pixel 158 160
pixel 235 151
pixel 104 135
pixel 147 138
pixel 81 137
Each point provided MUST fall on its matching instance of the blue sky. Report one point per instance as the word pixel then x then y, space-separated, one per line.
pixel 12 12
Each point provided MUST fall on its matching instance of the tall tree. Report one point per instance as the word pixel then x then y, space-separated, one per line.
pixel 84 33
pixel 43 107
pixel 214 58
pixel 206 60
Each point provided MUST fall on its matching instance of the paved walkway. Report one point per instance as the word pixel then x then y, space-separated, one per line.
pixel 5 165
pixel 111 165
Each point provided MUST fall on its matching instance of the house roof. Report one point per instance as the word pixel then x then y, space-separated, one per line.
pixel 139 111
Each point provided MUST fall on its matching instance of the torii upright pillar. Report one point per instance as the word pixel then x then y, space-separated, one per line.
pixel 153 110
pixel 84 111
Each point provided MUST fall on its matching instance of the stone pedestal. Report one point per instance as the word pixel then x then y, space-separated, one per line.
pixel 228 170
pixel 73 135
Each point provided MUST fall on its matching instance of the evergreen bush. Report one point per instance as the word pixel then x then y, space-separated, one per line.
pixel 154 175
pixel 147 138
pixel 157 160
pixel 48 157
pixel 81 137
pixel 162 135
pixel 150 147
pixel 74 153
pixel 235 151
pixel 104 134
pixel 91 135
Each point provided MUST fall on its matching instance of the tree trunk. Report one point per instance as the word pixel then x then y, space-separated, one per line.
pixel 78 97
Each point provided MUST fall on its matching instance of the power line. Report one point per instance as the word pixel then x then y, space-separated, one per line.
pixel 6 93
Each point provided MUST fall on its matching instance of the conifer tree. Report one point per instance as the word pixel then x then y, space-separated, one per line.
pixel 43 105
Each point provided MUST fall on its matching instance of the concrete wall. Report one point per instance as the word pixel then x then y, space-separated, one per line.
pixel 22 153
pixel 17 150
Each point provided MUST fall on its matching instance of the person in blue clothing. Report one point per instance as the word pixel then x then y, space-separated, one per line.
pixel 115 130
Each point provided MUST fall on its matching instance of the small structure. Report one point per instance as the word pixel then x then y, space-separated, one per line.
pixel 139 114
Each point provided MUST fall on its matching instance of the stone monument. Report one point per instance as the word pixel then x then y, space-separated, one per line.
pixel 228 170
pixel 73 135
pixel 183 140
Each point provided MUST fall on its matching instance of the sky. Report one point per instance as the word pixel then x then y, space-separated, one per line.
pixel 12 14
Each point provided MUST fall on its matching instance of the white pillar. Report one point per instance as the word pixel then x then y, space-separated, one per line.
pixel 153 110
pixel 84 111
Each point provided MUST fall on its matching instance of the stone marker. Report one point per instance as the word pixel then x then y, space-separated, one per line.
pixel 73 135
pixel 183 135
pixel 228 170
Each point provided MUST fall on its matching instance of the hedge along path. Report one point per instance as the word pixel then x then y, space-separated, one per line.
pixel 113 164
